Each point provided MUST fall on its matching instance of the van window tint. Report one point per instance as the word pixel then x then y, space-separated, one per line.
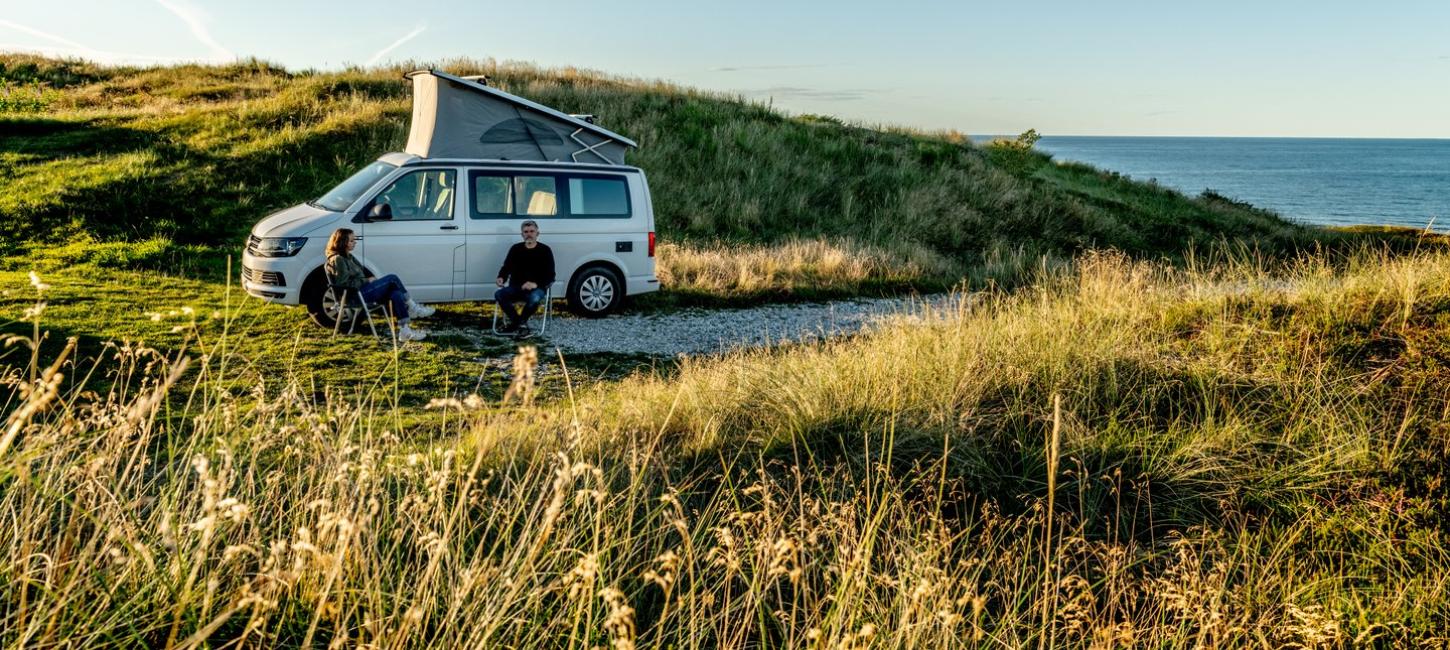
pixel 537 196
pixel 424 195
pixel 493 195
pixel 598 197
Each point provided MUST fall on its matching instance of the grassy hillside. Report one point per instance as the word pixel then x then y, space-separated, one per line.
pixel 1127 455
pixel 196 154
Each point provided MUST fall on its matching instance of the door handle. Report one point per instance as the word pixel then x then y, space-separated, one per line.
pixel 448 227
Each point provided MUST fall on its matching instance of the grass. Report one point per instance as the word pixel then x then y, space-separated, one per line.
pixel 797 269
pixel 268 343
pixel 1123 453
pixel 194 155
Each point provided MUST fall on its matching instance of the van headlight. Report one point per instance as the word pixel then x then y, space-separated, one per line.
pixel 276 246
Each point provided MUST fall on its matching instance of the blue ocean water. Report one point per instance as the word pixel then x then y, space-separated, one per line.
pixel 1313 180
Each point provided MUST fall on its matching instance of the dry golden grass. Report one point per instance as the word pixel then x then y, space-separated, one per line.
pixel 799 266
pixel 1124 455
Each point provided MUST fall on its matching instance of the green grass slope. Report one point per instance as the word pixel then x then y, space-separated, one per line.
pixel 197 154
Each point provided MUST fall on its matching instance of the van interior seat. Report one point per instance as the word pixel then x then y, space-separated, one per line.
pixel 541 203
pixel 443 205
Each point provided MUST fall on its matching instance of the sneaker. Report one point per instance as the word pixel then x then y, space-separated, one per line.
pixel 508 328
pixel 416 310
pixel 523 332
pixel 406 333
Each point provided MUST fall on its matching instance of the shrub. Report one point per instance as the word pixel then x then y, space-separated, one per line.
pixel 32 99
pixel 1015 155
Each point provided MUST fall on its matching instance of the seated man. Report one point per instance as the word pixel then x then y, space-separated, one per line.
pixel 527 272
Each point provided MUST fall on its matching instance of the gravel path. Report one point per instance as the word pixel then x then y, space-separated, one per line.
pixel 705 331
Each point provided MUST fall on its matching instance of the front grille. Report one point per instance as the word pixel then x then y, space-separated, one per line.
pixel 252 242
pixel 272 278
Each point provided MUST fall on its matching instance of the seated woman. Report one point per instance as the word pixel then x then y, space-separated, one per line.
pixel 348 273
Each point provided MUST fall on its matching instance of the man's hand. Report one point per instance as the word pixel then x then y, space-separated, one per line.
pixel 500 281
pixel 529 286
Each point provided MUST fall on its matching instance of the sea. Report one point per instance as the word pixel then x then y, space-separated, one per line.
pixel 1327 181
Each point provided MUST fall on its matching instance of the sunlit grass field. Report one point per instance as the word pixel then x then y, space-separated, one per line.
pixel 1120 454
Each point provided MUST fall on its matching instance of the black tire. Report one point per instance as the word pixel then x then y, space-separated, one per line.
pixel 595 292
pixel 322 307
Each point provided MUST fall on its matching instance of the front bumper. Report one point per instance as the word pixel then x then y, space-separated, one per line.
pixel 261 278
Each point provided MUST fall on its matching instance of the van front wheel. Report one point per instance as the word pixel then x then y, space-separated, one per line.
pixel 595 292
pixel 322 306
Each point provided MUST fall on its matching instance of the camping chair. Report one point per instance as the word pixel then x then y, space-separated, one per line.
pixel 345 301
pixel 548 301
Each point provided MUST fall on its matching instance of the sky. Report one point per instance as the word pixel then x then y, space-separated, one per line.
pixel 1227 68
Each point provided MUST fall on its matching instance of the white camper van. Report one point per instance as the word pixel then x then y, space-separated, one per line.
pixel 443 214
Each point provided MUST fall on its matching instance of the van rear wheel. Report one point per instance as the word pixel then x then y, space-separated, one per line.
pixel 595 292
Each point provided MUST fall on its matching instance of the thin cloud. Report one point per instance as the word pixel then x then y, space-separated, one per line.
pixel 195 22
pixel 797 92
pixel 45 35
pixel 787 66
pixel 67 47
pixel 99 56
pixel 384 52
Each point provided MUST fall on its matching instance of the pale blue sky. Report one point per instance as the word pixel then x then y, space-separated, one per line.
pixel 1231 67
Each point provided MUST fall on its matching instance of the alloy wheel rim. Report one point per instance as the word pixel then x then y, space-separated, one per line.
pixel 333 308
pixel 596 292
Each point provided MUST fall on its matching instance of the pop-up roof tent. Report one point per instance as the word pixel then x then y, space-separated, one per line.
pixel 455 117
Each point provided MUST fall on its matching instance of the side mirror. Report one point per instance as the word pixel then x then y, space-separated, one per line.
pixel 381 212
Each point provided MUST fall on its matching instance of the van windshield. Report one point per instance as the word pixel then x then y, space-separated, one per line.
pixel 349 190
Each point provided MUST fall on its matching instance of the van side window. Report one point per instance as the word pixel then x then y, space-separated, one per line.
pixel 492 196
pixel 423 195
pixel 538 196
pixel 598 197
pixel 498 194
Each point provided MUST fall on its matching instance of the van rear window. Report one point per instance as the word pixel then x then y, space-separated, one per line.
pixel 601 197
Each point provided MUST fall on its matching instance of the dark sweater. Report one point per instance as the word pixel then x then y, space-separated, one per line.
pixel 524 264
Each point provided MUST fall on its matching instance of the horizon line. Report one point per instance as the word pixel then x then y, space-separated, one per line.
pixel 1219 137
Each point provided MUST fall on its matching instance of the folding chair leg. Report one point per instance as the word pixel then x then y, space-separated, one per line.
pixel 341 307
pixel 548 307
pixel 371 327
